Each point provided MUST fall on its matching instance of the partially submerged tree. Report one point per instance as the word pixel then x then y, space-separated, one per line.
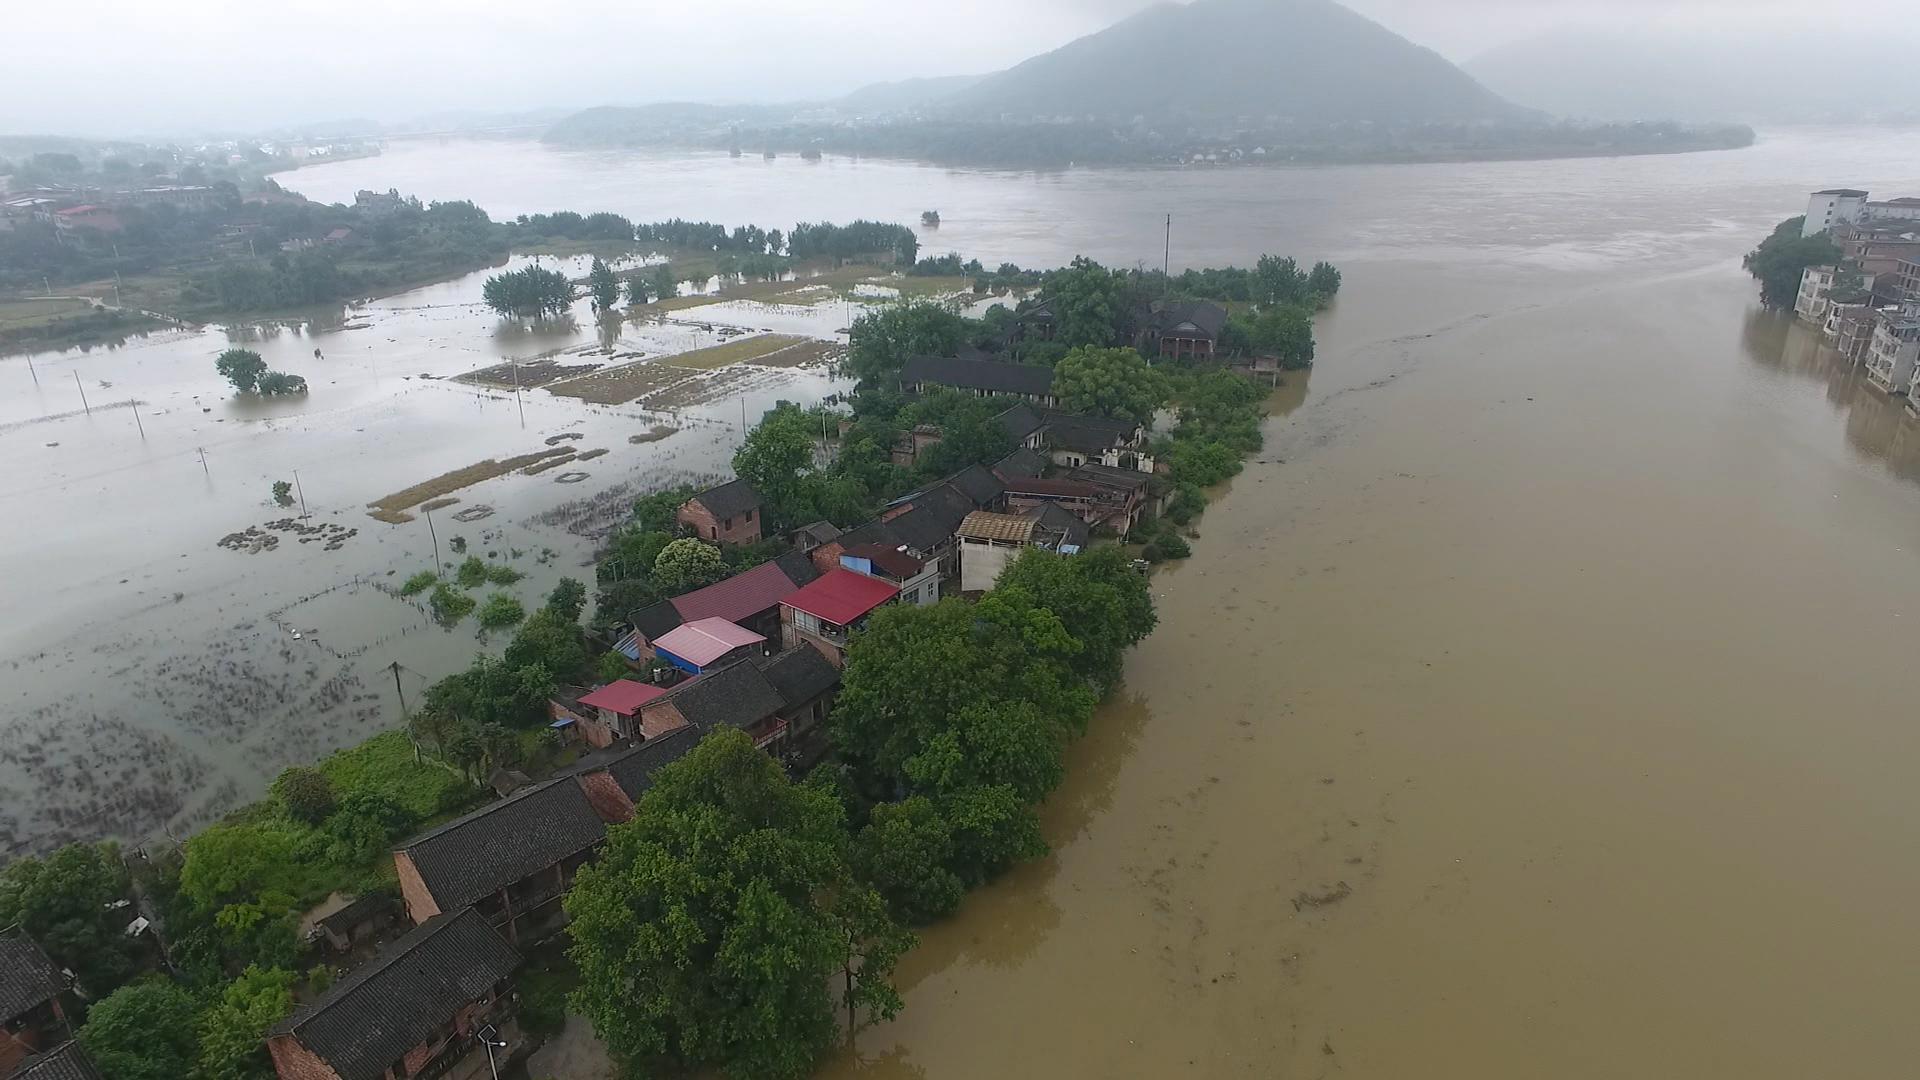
pixel 529 292
pixel 242 368
pixel 1782 258
pixel 1117 383
pixel 604 287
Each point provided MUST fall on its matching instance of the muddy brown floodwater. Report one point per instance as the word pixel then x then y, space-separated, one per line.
pixel 1537 705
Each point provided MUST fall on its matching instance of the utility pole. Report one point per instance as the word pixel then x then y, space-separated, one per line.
pixel 135 406
pixel 1166 256
pixel 516 394
pixel 83 394
pixel 303 495
pixel 743 421
pixel 436 542
pixel 203 461
pixel 398 689
pixel 33 371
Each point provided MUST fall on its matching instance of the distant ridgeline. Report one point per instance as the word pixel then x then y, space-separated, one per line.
pixel 1214 81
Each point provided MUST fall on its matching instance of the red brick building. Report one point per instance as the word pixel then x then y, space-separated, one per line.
pixel 728 514
pixel 424 1007
pixel 32 1017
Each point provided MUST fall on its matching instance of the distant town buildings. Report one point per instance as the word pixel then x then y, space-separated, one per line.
pixel 1867 305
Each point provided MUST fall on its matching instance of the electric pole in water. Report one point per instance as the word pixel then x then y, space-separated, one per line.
pixel 303 495
pixel 83 394
pixel 135 406
pixel 1166 256
pixel 436 542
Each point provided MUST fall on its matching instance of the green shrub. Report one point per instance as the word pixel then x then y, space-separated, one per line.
pixel 472 573
pixel 450 605
pixel 501 611
pixel 1173 546
pixel 305 792
pixel 503 574
pixel 419 583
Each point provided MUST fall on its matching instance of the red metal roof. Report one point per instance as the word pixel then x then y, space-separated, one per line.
pixel 705 640
pixel 739 597
pixel 842 596
pixel 624 697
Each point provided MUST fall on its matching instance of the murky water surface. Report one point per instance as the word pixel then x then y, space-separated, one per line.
pixel 1537 705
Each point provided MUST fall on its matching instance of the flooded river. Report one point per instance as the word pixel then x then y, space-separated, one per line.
pixel 1536 706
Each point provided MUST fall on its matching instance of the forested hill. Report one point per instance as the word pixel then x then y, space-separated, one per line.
pixel 1312 61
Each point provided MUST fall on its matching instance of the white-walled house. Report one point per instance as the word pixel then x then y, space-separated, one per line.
pixel 1894 353
pixel 1828 208
pixel 1816 282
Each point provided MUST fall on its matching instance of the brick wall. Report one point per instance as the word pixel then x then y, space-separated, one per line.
pixel 295 1062
pixel 741 529
pixel 604 795
pixel 658 718
pixel 421 905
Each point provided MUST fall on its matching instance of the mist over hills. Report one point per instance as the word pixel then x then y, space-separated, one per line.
pixel 1308 59
pixel 1850 74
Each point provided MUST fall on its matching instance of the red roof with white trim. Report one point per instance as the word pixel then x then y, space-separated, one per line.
pixel 623 697
pixel 842 596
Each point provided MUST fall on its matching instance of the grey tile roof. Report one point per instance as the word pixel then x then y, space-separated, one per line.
pixel 1089 434
pixel 1053 521
pixel 731 499
pixel 1021 421
pixel 1211 318
pixel 1022 463
pixel 936 513
pixel 798 567
pixel 655 619
pixel 472 857
pixel 997 376
pixel 737 695
pixel 978 483
pixel 800 675
pixel 64 1062
pixel 404 995
pixel 636 767
pixel 28 979
pixel 370 906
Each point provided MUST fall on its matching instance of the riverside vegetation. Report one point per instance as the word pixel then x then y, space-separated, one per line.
pixel 790 900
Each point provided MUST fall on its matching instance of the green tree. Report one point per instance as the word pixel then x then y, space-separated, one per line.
pixel 1092 305
pixel 501 611
pixel 279 383
pixel 881 341
pixel 529 292
pixel 1782 258
pixel 777 459
pixel 1097 596
pixel 665 285
pixel 1284 332
pixel 228 864
pixel 568 599
pixel 636 291
pixel 143 1031
pixel 955 696
pixel 1323 282
pixel 69 902
pixel 709 931
pixel 1279 281
pixel 611 667
pixel 232 1030
pixel 306 793
pixel 604 287
pixel 1118 383
pixel 282 493
pixel 242 368
pixel 686 565
pixel 904 853
pixel 550 642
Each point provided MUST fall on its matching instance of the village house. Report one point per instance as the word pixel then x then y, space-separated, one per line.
pixel 808 537
pixel 33 1018
pixel 1831 207
pixel 1072 439
pixel 87 217
pixel 728 514
pixel 988 542
pixel 614 779
pixel 1810 304
pixel 611 713
pixel 827 613
pixel 1849 328
pixel 64 1062
pixel 775 700
pixel 1876 248
pixel 750 599
pixel 511 861
pixel 1105 498
pixel 435 1004
pixel 984 378
pixel 922 524
pixel 1894 353
pixel 1187 329
pixel 1907 281
pixel 703 644
pixel 357 922
pixel 918 580
pixel 1037 323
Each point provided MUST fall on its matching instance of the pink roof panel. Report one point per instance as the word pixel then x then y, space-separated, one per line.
pixel 703 641
pixel 624 697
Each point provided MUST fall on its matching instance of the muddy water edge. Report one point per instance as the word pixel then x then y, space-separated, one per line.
pixel 1534 706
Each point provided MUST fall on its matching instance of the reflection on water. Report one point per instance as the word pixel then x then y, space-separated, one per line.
pixel 1878 425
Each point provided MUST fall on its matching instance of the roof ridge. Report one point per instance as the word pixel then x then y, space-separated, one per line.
pixel 339 992
pixel 478 813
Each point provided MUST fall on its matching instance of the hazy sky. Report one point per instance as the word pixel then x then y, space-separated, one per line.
pixel 178 66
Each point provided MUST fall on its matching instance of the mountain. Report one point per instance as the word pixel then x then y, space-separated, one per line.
pixel 1309 60
pixel 907 95
pixel 1728 74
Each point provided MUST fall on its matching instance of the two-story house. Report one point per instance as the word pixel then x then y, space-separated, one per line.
pixel 728 514
pixel 512 860
pixel 435 1004
pixel 829 611
pixel 33 1018
pixel 984 378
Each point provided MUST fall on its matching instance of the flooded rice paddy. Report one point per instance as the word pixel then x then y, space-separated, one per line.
pixel 1537 704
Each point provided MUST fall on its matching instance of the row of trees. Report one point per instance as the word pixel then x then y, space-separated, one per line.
pixel 249 374
pixel 530 292
pixel 739 916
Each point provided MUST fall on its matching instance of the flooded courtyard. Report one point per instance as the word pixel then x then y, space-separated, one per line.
pixel 1534 705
